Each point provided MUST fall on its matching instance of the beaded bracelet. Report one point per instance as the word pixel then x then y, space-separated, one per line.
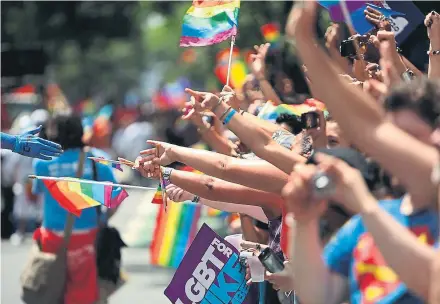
pixel 229 117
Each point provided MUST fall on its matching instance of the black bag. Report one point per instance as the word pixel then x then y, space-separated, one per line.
pixel 108 248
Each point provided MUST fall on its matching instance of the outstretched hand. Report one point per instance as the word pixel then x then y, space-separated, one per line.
pixel 177 194
pixel 29 144
pixel 258 66
pixel 202 100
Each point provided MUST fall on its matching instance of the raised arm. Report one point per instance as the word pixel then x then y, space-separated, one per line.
pixel 208 132
pixel 251 135
pixel 307 252
pixel 178 194
pixel 361 118
pixel 215 189
pixel 258 68
pixel 432 22
pixel 257 174
pixel 413 262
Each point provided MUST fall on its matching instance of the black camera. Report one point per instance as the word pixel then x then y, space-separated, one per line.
pixel 270 260
pixel 370 52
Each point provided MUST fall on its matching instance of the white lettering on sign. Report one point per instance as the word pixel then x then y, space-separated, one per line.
pixel 203 276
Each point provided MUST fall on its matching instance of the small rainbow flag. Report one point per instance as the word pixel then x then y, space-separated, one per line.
pixel 271 112
pixel 209 22
pixel 74 196
pixel 158 197
pixel 107 162
pixel 173 233
pixel 271 33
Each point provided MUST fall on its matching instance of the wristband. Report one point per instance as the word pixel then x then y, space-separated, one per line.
pixel 229 117
pixel 225 112
pixel 166 174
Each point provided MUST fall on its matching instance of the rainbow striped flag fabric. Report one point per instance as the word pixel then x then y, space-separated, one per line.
pixel 173 233
pixel 74 196
pixel 272 34
pixel 158 197
pixel 270 112
pixel 209 22
pixel 107 162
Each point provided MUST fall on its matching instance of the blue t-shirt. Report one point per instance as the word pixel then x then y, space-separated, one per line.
pixel 54 216
pixel 353 254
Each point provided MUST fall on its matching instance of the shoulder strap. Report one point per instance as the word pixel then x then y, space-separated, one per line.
pixel 70 217
pixel 95 178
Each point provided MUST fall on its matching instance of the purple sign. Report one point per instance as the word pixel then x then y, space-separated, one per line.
pixel 210 273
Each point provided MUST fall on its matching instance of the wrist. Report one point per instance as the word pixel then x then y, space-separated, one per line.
pixel 166 175
pixel 9 142
pixel 434 45
pixel 260 77
pixel 368 205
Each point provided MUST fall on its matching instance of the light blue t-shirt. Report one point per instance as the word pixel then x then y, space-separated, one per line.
pixel 54 216
pixel 353 254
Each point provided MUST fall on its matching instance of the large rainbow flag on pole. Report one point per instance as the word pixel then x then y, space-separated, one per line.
pixel 74 196
pixel 174 232
pixel 209 22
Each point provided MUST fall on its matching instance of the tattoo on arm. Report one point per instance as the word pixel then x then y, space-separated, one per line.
pixel 209 183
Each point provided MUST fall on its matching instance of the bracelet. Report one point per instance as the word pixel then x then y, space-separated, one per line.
pixel 220 100
pixel 229 117
pixel 196 199
pixel 242 112
pixel 166 174
pixel 432 53
pixel 225 112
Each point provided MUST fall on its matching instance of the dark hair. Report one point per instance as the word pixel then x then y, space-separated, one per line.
pixel 421 95
pixel 65 129
pixel 292 121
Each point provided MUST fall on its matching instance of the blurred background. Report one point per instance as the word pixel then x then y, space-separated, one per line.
pixel 119 66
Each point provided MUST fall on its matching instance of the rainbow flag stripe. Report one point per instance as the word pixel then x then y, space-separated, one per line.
pixel 209 22
pixel 173 234
pixel 74 196
pixel 106 162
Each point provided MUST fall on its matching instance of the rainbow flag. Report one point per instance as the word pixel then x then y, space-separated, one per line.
pixel 173 234
pixel 271 33
pixel 106 162
pixel 271 112
pixel 158 197
pixel 209 22
pixel 74 196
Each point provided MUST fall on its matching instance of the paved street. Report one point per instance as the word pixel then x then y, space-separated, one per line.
pixel 135 221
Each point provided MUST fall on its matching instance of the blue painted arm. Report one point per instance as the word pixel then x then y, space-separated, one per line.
pixel 28 144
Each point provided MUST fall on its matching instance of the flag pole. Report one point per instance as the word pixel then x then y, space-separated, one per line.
pixel 162 183
pixel 230 59
pixel 349 23
pixel 85 181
